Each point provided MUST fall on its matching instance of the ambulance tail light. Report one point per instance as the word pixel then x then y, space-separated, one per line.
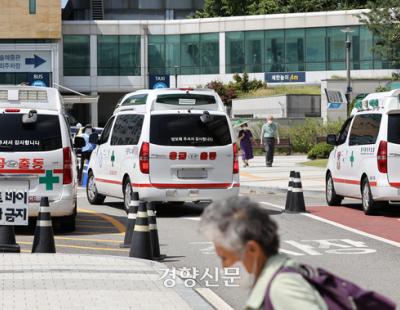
pixel 382 157
pixel 144 158
pixel 235 159
pixel 67 166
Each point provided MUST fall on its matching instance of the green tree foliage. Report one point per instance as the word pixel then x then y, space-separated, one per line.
pixel 383 21
pixel 216 8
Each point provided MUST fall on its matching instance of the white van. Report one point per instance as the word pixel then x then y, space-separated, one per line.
pixel 36 154
pixel 169 145
pixel 365 162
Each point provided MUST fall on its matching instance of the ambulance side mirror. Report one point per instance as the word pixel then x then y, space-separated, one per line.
pixel 79 142
pixel 94 138
pixel 331 139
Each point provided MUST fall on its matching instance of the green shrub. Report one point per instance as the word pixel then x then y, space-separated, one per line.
pixel 320 150
pixel 303 137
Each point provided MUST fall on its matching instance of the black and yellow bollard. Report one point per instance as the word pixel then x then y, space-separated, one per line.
pixel 141 242
pixel 43 241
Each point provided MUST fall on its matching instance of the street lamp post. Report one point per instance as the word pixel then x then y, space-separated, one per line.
pixel 347 31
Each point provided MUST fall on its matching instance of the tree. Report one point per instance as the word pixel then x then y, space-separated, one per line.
pixel 383 21
pixel 216 8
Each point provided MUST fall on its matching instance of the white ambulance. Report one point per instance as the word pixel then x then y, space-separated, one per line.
pixel 365 162
pixel 36 154
pixel 169 145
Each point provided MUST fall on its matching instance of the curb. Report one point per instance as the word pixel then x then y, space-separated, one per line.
pixel 275 190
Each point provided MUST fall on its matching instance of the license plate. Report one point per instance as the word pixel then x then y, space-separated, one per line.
pixel 192 173
pixel 14 206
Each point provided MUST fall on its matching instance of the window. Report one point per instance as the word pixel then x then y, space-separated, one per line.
pixel 365 129
pixel 32 6
pixel 184 54
pixel 106 132
pixel 127 129
pixel 336 48
pixel 189 130
pixel 315 49
pixel 13 78
pixel 44 135
pixel 76 55
pixel 366 44
pixel 172 54
pixel 188 99
pixel 135 100
pixel 294 46
pixel 234 54
pixel 190 54
pixel 274 50
pixel 394 128
pixel 254 49
pixel 156 54
pixel 209 53
pixel 344 132
pixel 118 55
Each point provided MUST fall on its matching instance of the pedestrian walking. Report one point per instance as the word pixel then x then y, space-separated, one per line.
pixel 269 135
pixel 246 238
pixel 246 139
pixel 87 150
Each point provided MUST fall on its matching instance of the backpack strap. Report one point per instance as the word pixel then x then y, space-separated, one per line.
pixel 267 300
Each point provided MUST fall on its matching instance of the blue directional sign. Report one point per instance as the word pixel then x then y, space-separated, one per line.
pixel 25 61
pixel 36 61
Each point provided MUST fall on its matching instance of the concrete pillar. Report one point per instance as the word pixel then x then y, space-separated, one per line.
pixel 222 62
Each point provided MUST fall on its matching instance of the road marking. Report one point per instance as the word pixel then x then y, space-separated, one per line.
pixel 213 299
pixel 83 247
pixel 89 226
pixel 353 230
pixel 113 221
pixel 191 218
pixel 96 221
pixel 89 240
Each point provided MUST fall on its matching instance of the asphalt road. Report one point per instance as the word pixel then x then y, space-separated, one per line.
pixel 367 261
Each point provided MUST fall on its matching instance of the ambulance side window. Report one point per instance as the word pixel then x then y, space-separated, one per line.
pixel 107 130
pixel 127 129
pixel 365 129
pixel 344 132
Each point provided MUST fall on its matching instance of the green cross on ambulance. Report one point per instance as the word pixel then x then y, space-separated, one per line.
pixel 36 152
pixel 365 161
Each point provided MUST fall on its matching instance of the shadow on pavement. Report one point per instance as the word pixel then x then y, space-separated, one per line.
pixel 392 210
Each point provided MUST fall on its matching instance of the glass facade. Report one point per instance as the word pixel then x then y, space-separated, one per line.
pixel 184 54
pixel 118 55
pixel 301 49
pixel 76 55
pixel 280 50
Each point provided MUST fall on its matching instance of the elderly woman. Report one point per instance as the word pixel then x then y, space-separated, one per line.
pixel 245 237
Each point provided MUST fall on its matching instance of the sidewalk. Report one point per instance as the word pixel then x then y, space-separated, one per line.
pixel 62 281
pixel 260 179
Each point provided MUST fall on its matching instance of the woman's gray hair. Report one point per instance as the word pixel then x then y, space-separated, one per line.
pixel 237 220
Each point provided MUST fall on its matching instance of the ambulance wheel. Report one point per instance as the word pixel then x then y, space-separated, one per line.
pixel 368 203
pixel 92 195
pixel 127 193
pixel 332 198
